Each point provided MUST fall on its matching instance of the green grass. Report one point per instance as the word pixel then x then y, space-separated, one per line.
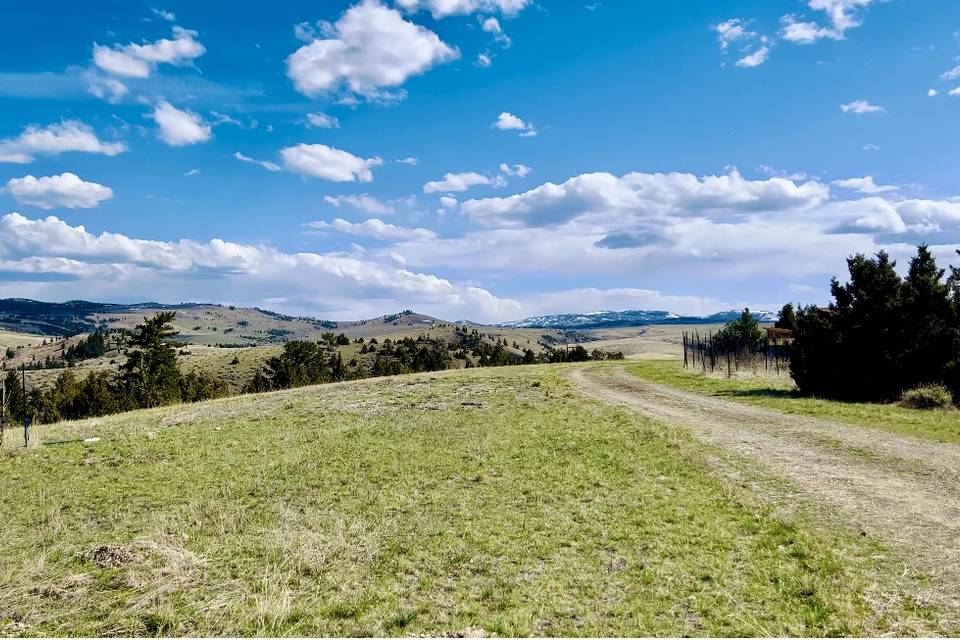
pixel 779 393
pixel 430 504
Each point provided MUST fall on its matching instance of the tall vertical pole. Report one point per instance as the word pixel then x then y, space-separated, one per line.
pixel 26 406
pixel 3 408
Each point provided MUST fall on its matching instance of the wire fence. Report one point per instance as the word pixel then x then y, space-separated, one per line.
pixel 706 353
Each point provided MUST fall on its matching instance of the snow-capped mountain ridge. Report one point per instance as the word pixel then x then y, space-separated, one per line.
pixel 628 318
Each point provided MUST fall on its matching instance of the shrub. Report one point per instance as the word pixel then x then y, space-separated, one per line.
pixel 929 396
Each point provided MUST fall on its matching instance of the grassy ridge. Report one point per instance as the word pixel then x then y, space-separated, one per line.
pixel 480 499
pixel 778 393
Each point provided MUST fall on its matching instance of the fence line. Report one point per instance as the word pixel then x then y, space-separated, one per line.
pixel 704 352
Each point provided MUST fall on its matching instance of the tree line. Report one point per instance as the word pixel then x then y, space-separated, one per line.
pixel 882 334
pixel 150 377
pixel 304 362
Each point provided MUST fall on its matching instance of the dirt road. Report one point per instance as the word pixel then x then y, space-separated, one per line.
pixel 903 490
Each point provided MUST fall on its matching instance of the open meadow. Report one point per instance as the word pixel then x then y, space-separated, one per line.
pixel 486 500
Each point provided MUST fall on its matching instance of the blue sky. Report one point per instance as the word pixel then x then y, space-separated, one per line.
pixel 483 159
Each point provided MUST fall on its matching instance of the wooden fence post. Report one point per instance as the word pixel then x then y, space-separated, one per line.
pixel 3 409
pixel 26 405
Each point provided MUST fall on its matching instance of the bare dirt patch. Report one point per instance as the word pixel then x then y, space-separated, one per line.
pixel 903 490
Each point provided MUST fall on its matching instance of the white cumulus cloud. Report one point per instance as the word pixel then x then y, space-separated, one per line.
pixel 865 184
pixel 841 15
pixel 731 31
pixel 363 202
pixel 444 8
pixel 328 163
pixel 457 182
pixel 178 127
pixel 507 121
pixel 374 228
pixel 64 190
pixel 518 170
pixel 139 60
pixel 369 49
pixel 322 121
pixel 860 107
pixel 48 256
pixel 754 59
pixel 603 196
pixel 54 139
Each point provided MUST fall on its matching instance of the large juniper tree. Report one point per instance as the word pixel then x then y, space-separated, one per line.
pixel 882 334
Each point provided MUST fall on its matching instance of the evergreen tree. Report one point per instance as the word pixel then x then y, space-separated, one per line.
pixel 742 335
pixel 151 376
pixel 882 334
pixel 787 318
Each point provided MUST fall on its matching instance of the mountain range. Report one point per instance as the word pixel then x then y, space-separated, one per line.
pixel 628 318
pixel 79 316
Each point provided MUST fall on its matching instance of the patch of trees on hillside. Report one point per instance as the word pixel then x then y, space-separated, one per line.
pixel 883 334
pixel 150 377
pixel 304 362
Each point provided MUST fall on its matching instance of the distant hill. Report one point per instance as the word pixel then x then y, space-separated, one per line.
pixel 629 318
pixel 62 318
pixel 198 323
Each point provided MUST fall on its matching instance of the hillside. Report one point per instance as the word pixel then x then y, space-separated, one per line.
pixel 493 501
pixel 215 324
pixel 236 363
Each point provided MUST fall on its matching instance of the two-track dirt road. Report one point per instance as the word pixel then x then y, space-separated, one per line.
pixel 903 490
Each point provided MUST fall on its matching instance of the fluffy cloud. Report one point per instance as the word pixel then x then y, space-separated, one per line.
pixel 180 128
pixel 375 228
pixel 793 30
pixel 518 170
pixel 362 202
pixel 754 59
pixel 841 14
pixel 321 161
pixel 864 185
pixel 444 8
pixel 492 25
pixel 371 48
pixel 269 166
pixel 65 190
pixel 54 139
pixel 139 60
pixel 732 31
pixel 322 121
pixel 644 195
pixel 860 107
pixel 507 121
pixel 952 74
pixel 752 47
pixel 457 182
pixel 169 16
pixel 409 161
pixel 48 255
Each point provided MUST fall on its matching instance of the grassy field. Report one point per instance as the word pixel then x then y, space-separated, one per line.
pixel 13 339
pixel 657 341
pixel 779 393
pixel 492 500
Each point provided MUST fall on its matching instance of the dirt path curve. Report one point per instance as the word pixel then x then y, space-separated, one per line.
pixel 903 490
